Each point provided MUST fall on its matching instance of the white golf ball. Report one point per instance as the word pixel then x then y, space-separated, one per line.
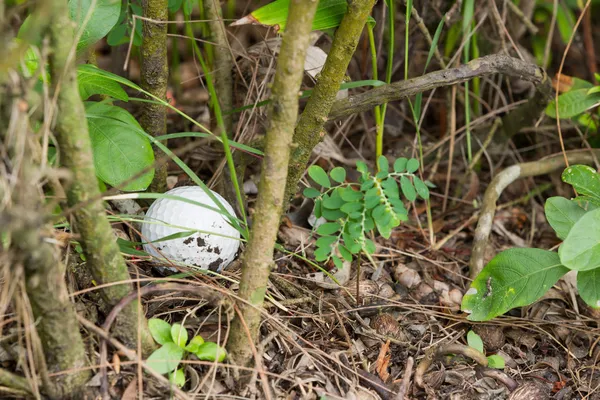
pixel 208 249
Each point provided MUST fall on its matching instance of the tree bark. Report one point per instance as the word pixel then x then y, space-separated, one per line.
pixel 154 78
pixel 283 113
pixel 89 220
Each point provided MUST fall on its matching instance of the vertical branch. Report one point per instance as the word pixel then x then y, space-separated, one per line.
pixel 283 113
pixel 96 237
pixel 154 77
pixel 309 131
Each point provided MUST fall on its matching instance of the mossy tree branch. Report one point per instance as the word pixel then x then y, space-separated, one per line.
pixel 283 112
pixel 96 236
pixel 154 77
pixel 57 325
pixel 309 130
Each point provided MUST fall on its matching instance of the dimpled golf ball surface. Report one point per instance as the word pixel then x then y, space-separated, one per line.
pixel 203 250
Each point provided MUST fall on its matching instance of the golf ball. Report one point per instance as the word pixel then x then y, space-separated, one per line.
pixel 213 247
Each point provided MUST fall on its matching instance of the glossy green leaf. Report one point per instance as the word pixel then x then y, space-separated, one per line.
pixel 102 17
pixel 573 103
pixel 210 351
pixel 581 249
pixel 562 214
pixel 514 278
pixel 194 344
pixel 328 228
pixel 588 286
pixel 177 377
pixel 319 175
pixel 496 361
pixel 408 189
pixel 412 165
pixel 474 341
pixel 338 174
pixel 328 15
pixel 165 359
pixel 160 330
pixel 120 149
pixel 311 193
pixel 585 180
pixel 90 83
pixel 179 335
pixel 421 188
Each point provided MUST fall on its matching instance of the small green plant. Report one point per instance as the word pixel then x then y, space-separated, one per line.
pixel 520 276
pixel 474 341
pixel 581 97
pixel 352 210
pixel 175 347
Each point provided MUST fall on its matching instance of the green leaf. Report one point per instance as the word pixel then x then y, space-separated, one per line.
pixel 319 175
pixel 328 228
pixel 370 246
pixel 117 36
pixel 166 359
pixel 421 188
pixel 210 351
pixel 349 208
pixel 160 330
pixel 585 180
pixel 337 261
pixel 325 241
pixel 496 361
pixel 333 201
pixel 103 17
pixel 474 341
pixel 322 253
pixel 407 188
pixel 311 193
pixel 90 83
pixel 581 249
pixel 338 174
pixel 348 194
pixel 379 212
pixel 412 165
pixel 177 377
pixel 562 214
pixel 400 164
pixel 588 285
pixel 514 278
pixel 332 215
pixel 573 103
pixel 318 210
pixel 383 164
pixel 120 149
pixel 194 344
pixel 179 335
pixel 328 15
pixel 345 253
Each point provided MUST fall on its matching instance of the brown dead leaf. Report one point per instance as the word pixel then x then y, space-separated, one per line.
pixel 130 392
pixel 383 361
pixel 116 363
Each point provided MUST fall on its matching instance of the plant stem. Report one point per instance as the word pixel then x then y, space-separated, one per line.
pixel 309 131
pixel 283 113
pixel 155 77
pixel 96 236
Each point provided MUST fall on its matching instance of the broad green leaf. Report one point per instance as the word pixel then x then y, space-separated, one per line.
pixel 311 193
pixel 348 194
pixel 177 377
pixel 573 103
pixel 333 201
pixel 400 164
pixel 328 15
pixel 412 165
pixel 102 18
pixel 194 344
pixel 322 253
pixel 349 208
pixel 383 164
pixel 474 341
pixel 179 335
pixel 166 359
pixel 407 188
pixel 319 175
pixel 118 35
pixel 585 180
pixel 325 241
pixel 210 351
pixel 338 174
pixel 581 249
pixel 588 285
pixel 120 149
pixel 562 214
pixel 332 215
pixel 345 253
pixel 160 330
pixel 90 83
pixel 328 228
pixel 514 278
pixel 421 188
pixel 496 361
pixel 337 261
